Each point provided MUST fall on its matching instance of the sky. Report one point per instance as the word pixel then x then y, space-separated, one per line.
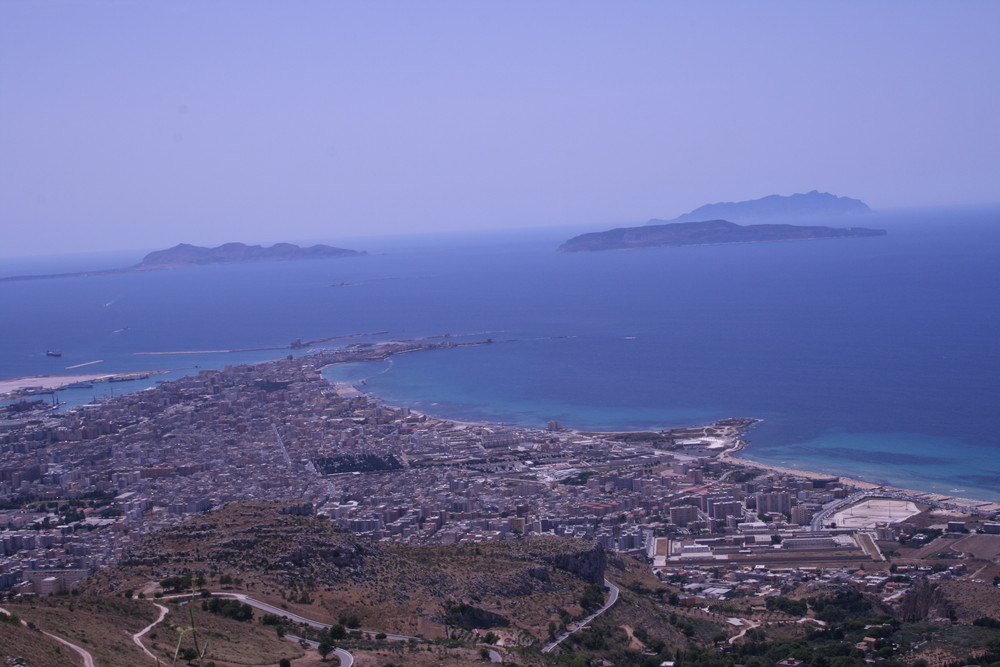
pixel 136 125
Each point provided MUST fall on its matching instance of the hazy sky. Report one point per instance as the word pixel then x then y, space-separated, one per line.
pixel 143 124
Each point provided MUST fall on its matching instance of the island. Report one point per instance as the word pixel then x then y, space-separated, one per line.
pixel 709 232
pixel 777 208
pixel 185 254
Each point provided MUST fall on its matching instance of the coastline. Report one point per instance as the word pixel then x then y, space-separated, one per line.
pixel 729 456
pixel 729 445
pixel 24 387
pixel 724 443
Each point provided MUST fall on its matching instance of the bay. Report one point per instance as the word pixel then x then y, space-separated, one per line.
pixel 874 357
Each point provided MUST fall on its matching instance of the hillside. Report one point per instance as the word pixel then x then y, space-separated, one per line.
pixel 306 565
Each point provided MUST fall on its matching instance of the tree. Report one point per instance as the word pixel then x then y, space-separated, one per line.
pixel 324 648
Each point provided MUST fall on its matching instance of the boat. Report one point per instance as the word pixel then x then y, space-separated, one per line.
pixel 79 385
pixel 53 353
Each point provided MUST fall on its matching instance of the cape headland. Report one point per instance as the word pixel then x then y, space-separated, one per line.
pixel 709 232
pixel 185 254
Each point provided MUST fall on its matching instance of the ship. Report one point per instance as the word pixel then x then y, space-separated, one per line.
pixel 53 353
pixel 79 385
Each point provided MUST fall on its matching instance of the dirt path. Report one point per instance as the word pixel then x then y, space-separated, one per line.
pixel 137 637
pixel 88 659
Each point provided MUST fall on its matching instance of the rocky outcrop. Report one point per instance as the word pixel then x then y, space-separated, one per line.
pixel 468 616
pixel 587 564
pixel 924 601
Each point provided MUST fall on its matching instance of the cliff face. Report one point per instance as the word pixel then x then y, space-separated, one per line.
pixel 924 601
pixel 588 564
pixel 704 233
pixel 777 207
pixel 185 254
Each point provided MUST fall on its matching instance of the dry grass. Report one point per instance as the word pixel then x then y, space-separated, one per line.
pixel 102 626
pixel 229 642
pixel 984 547
pixel 37 649
pixel 972 600
pixel 307 566
pixel 433 656
pixel 408 596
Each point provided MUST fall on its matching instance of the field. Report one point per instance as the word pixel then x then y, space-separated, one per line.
pixel 876 510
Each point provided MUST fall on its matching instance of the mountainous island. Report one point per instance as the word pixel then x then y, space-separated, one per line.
pixel 185 254
pixel 776 208
pixel 705 233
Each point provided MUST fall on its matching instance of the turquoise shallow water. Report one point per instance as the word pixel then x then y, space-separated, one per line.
pixel 908 460
pixel 875 357
pixel 473 400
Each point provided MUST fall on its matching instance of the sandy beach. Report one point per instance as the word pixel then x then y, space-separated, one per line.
pixel 48 381
pixel 729 457
pixel 10 388
pixel 982 505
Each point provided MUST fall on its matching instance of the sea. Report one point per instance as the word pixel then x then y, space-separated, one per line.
pixel 876 358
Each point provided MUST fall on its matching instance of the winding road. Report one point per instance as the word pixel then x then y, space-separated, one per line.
pixel 137 637
pixel 346 659
pixel 612 599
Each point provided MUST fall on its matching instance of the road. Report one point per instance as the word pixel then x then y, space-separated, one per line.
pixel 271 609
pixel 88 659
pixel 750 625
pixel 346 659
pixel 828 510
pixel 612 599
pixel 137 637
pixel 867 542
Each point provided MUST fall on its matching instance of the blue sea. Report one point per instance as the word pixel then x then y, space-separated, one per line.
pixel 877 358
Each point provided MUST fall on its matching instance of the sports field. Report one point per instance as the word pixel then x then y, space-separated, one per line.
pixel 875 510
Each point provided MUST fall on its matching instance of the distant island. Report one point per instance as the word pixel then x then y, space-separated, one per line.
pixel 776 208
pixel 709 232
pixel 185 254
